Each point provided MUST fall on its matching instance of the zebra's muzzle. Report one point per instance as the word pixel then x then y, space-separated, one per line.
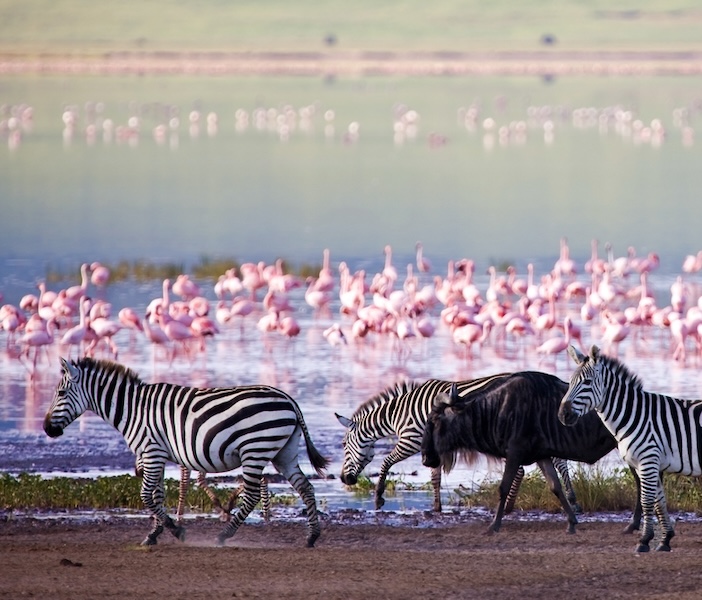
pixel 566 415
pixel 348 479
pixel 52 430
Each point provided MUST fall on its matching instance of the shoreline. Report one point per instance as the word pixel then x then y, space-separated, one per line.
pixel 361 63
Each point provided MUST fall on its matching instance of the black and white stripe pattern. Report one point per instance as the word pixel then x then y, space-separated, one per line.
pixel 402 410
pixel 655 433
pixel 210 430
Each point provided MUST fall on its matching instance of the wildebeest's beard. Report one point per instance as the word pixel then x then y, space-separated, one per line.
pixel 448 438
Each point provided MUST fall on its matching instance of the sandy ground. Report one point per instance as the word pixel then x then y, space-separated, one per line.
pixel 424 556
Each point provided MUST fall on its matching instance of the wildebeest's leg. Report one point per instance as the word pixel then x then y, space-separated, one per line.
pixel 252 493
pixel 549 472
pixel 436 486
pixel 153 496
pixel 514 490
pixel 398 454
pixel 562 468
pixel 511 469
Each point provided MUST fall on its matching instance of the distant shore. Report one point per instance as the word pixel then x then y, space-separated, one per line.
pixel 361 63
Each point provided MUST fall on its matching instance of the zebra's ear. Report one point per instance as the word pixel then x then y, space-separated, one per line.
pixel 594 353
pixel 346 422
pixel 577 356
pixel 69 369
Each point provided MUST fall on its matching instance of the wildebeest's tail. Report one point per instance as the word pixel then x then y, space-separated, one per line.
pixel 318 461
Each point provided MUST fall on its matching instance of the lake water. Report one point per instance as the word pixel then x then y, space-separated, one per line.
pixel 585 159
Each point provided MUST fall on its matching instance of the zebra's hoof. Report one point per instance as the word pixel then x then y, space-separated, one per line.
pixel 311 539
pixel 663 547
pixel 179 533
pixel 221 538
pixel 642 547
pixel 149 541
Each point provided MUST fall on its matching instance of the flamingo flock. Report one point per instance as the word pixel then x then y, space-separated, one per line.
pixel 608 299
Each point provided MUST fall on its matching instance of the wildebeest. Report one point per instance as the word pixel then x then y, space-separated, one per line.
pixel 516 418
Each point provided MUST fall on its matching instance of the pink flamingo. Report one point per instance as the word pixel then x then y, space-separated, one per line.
pixel 76 335
pixel 159 303
pixel 11 319
pixel 471 333
pixel 99 275
pixel 104 330
pixel 423 263
pixel 565 266
pixel 315 297
pixel 614 331
pixel 177 332
pixel 289 327
pixel 557 344
pixel 36 339
pixel 325 280
pixel 252 278
pixel 185 287
pixel 595 265
pixel 154 333
pixel 76 292
pixel 334 335
pixel 130 320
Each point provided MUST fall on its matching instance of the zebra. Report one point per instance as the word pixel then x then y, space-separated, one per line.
pixel 402 410
pixel 210 430
pixel 655 433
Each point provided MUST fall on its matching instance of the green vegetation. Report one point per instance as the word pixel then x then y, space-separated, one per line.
pixel 27 491
pixel 74 27
pixel 206 268
pixel 595 491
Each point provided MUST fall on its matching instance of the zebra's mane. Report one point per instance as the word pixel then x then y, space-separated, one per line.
pixel 87 363
pixel 620 370
pixel 389 393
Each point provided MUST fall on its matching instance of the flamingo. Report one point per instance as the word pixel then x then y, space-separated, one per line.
pixel 334 335
pixel 104 330
pixel 38 338
pixel 76 335
pixel 75 292
pixel 11 319
pixel 423 263
pixel 154 333
pixel 130 320
pixel 325 280
pixel 177 332
pixel 557 344
pixel 471 333
pixel 289 327
pixel 565 266
pixel 99 275
pixel 185 287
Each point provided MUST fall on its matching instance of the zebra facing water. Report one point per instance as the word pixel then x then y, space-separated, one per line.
pixel 210 430
pixel 655 433
pixel 402 410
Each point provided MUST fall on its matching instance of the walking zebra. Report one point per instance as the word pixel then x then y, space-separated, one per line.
pixel 655 433
pixel 210 430
pixel 402 410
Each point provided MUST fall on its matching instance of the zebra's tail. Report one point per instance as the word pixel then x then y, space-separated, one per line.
pixel 318 461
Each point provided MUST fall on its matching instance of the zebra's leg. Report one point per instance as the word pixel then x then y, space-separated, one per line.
pixel 436 486
pixel 510 472
pixel 514 490
pixel 265 499
pixel 549 472
pixel 562 468
pixel 398 454
pixel 302 486
pixel 649 491
pixel 635 523
pixel 182 492
pixel 250 498
pixel 661 509
pixel 153 496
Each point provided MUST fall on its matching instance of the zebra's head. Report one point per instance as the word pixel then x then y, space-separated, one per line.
pixel 358 451
pixel 69 401
pixel 585 390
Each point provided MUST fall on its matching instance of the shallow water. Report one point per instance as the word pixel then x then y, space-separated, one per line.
pixel 324 379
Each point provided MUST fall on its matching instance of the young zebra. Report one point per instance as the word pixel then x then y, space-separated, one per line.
pixel 654 433
pixel 402 410
pixel 210 430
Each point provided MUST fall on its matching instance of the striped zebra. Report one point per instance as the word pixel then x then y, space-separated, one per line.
pixel 211 430
pixel 655 433
pixel 402 410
